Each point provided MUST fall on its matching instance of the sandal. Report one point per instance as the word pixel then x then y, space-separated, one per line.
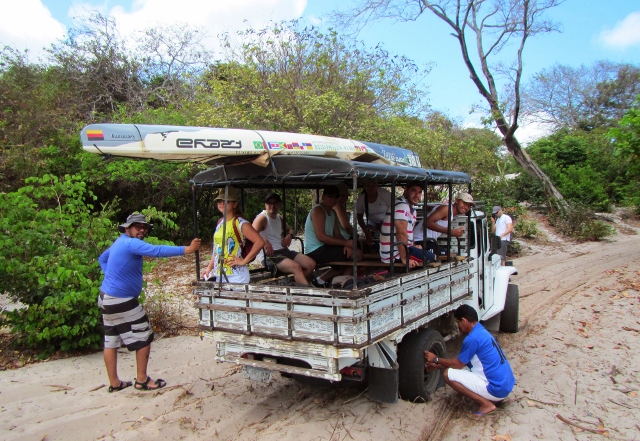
pixel 122 385
pixel 160 383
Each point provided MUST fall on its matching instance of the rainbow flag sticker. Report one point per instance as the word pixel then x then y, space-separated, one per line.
pixel 95 135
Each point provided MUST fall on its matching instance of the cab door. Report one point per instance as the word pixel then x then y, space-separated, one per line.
pixel 489 267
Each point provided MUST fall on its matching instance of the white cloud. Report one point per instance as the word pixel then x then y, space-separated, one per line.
pixel 28 24
pixel 214 17
pixel 626 33
pixel 530 131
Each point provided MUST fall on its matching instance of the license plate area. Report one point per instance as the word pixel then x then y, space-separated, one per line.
pixel 256 374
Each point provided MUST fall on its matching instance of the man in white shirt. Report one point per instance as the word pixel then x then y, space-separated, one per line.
pixel 374 202
pixel 277 241
pixel 502 226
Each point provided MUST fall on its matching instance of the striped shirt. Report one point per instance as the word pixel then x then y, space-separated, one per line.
pixel 403 212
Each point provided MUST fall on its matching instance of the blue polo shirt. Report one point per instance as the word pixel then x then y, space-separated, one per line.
pixel 121 264
pixel 490 361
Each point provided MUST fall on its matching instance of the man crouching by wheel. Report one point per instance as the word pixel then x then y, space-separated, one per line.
pixel 481 371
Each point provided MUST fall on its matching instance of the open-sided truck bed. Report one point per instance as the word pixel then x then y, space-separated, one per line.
pixel 377 332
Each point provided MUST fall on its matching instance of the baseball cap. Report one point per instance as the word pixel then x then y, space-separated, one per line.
pixel 496 209
pixel 274 196
pixel 466 197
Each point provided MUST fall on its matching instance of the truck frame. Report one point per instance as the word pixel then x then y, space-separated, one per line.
pixel 375 332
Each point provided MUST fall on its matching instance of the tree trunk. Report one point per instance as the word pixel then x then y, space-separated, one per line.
pixel 513 145
pixel 523 158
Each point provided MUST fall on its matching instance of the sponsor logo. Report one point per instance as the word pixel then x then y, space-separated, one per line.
pixel 187 143
pixel 95 135
pixel 122 136
pixel 290 145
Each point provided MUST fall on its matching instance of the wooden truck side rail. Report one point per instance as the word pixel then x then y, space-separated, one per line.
pixel 343 318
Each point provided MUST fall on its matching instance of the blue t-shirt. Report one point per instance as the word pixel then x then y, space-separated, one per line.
pixel 490 362
pixel 121 264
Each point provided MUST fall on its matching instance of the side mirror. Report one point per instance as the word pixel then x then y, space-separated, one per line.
pixel 495 242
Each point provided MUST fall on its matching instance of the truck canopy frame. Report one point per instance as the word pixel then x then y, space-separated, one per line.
pixel 309 172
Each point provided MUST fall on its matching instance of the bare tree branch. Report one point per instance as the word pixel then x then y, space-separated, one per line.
pixel 498 22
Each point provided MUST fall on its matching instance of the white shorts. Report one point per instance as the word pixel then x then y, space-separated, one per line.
pixel 474 382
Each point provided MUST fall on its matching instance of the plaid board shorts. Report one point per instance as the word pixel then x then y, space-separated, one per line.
pixel 125 322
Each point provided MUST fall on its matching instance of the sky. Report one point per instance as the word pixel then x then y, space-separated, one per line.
pixel 592 30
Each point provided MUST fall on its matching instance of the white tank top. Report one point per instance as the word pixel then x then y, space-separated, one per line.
pixel 273 231
pixel 442 222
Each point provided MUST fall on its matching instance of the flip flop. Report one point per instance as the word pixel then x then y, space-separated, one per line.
pixel 479 414
pixel 123 385
pixel 144 385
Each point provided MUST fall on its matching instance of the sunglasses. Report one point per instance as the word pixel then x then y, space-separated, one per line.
pixel 140 226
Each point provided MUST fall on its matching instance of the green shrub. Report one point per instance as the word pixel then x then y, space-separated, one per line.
pixel 514 248
pixel 525 227
pixel 596 230
pixel 50 239
pixel 578 221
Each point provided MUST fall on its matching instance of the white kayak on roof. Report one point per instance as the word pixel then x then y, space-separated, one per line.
pixel 216 145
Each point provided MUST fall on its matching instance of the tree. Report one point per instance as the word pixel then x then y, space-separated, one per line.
pixel 626 139
pixel 582 98
pixel 106 71
pixel 488 26
pixel 301 80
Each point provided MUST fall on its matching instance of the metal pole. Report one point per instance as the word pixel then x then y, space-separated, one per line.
pixel 449 221
pixel 354 225
pixel 392 232
pixel 194 203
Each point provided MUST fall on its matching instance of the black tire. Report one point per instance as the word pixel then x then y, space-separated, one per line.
pixel 510 315
pixel 415 383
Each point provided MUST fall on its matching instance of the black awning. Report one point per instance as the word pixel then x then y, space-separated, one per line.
pixel 308 171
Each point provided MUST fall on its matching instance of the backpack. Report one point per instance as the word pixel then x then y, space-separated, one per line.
pixel 246 246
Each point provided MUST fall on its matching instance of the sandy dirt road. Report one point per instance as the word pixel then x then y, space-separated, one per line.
pixel 576 357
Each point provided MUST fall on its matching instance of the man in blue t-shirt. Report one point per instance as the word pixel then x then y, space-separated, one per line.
pixel 481 371
pixel 124 320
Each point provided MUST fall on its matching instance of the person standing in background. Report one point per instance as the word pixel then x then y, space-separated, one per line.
pixel 502 226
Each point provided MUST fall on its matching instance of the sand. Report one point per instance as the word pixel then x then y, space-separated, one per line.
pixel 576 358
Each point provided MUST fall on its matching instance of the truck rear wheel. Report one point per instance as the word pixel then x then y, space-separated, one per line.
pixel 511 313
pixel 415 382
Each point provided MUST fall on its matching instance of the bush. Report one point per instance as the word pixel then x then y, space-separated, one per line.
pixel 49 243
pixel 166 313
pixel 596 230
pixel 578 221
pixel 50 240
pixel 514 248
pixel 525 227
